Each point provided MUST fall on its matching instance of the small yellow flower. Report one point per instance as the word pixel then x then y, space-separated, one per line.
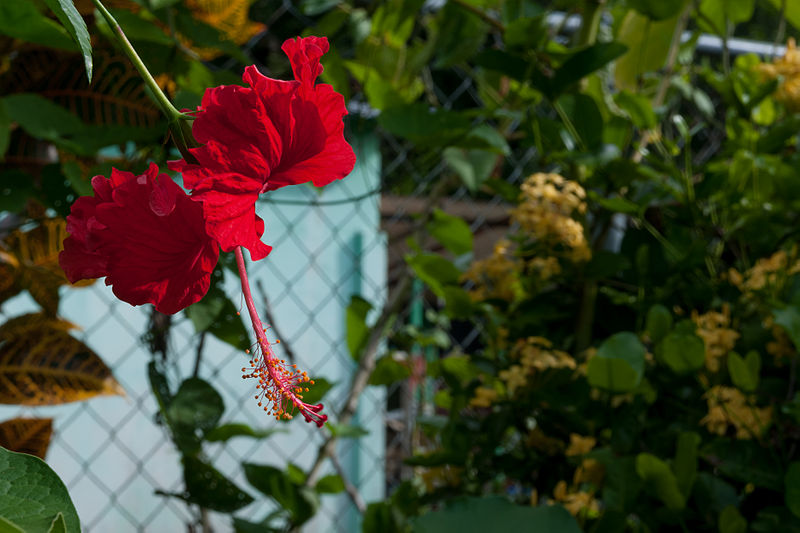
pixel 727 406
pixel 579 445
pixel 484 397
pixel 712 327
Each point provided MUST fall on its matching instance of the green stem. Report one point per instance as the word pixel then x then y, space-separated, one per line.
pixel 591 23
pixel 172 114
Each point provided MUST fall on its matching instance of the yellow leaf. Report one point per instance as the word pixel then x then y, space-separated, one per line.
pixel 42 364
pixel 27 435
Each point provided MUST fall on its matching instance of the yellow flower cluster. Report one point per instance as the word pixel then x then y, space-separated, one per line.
pixel 496 276
pixel 484 397
pixel 537 440
pixel 788 67
pixel 727 406
pixel 768 272
pixel 549 201
pixel 719 339
pixel 437 477
pixel 576 501
pixel 579 445
pixel 533 354
pixel 781 348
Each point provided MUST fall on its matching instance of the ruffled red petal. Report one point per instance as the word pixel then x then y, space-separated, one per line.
pixel 146 236
pixel 263 137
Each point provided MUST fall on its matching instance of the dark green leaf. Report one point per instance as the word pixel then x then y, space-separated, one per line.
pixel 5 132
pixel 76 27
pixel 344 431
pixel 495 514
pixel 638 108
pixel 682 352
pixel 317 391
pixel 731 521
pixel 434 270
pixel 451 231
pixel 660 480
pixel 792 485
pixel 418 123
pixel 15 189
pixel 32 495
pixel 383 517
pixel 356 325
pixel 474 167
pixel 226 432
pixel 460 34
pixel 388 371
pixel 658 322
pixel 59 524
pixel 300 502
pixel 21 20
pixel 194 411
pixel 331 484
pixel 658 9
pixel 744 371
pixel 583 63
pixel 685 464
pixel 619 363
pixel 208 488
pixel 40 117
pixel 789 319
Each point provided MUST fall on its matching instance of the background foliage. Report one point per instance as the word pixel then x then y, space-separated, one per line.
pixel 636 368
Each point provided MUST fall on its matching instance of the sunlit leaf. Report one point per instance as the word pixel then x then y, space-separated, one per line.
pixel 619 363
pixel 27 435
pixel 42 364
pixel 660 480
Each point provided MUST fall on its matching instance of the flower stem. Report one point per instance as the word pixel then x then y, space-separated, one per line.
pixel 166 106
pixel 248 298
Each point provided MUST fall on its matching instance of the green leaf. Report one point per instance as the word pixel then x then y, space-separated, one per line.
pixel 657 9
pixel 160 4
pixel 744 371
pixel 660 480
pixel 300 502
pixel 208 488
pixel 32 495
pixel 317 391
pixel 731 521
pixel 5 132
pixel 789 319
pixel 194 411
pixel 383 517
pixel 682 352
pixel 21 20
pixel 59 525
pixel 792 11
pixel 418 123
pixel 619 363
pixel 346 431
pixel 451 231
pixel 658 322
pixel 355 318
pixel 226 432
pixel 388 371
pixel 495 514
pixel 716 14
pixel 685 464
pixel 15 189
pixel 648 43
pixel 6 526
pixel 76 27
pixel 40 117
pixel 459 35
pixel 218 315
pixel 474 167
pixel 638 108
pixel 791 483
pixel 434 270
pixel 331 484
pixel 583 63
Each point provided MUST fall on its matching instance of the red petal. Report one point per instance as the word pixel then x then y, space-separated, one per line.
pixel 304 55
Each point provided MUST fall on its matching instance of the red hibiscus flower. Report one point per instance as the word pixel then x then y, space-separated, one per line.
pixel 272 134
pixel 146 236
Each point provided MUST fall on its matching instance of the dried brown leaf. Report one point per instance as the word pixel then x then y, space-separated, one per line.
pixel 27 435
pixel 42 364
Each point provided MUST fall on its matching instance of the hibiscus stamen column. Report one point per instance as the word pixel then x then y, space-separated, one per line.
pixel 279 385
